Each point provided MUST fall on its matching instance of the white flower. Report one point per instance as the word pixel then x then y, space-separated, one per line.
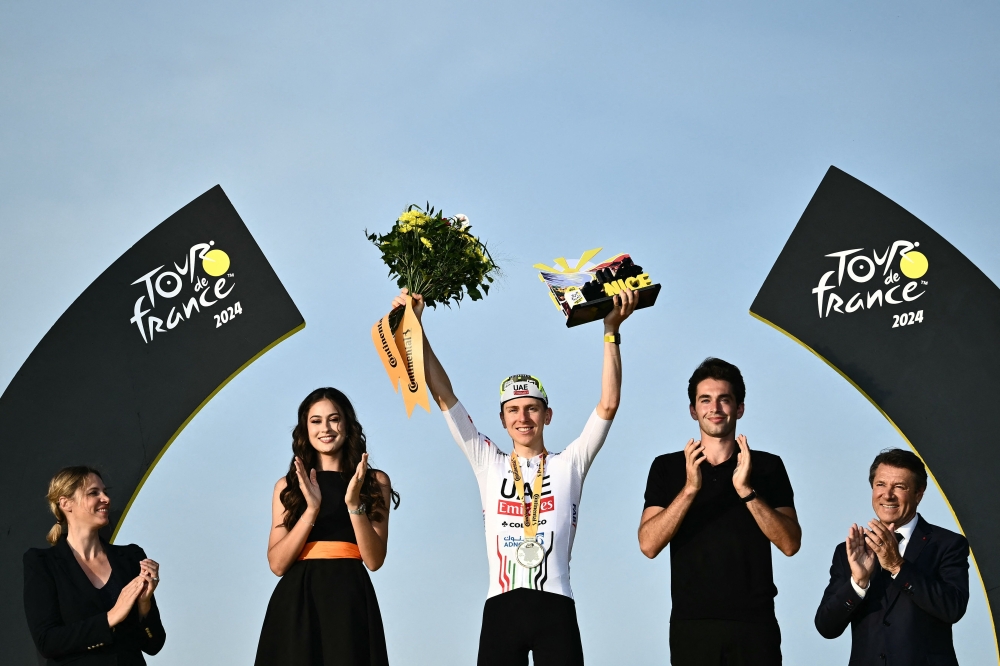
pixel 462 221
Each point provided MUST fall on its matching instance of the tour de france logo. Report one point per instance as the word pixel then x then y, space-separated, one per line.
pixel 894 277
pixel 177 292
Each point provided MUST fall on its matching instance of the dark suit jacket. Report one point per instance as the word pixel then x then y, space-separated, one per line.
pixel 65 615
pixel 902 621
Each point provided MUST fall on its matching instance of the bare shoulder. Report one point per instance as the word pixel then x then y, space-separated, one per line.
pixel 382 478
pixel 280 485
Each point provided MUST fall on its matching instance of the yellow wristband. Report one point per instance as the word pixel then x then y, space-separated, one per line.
pixel 614 338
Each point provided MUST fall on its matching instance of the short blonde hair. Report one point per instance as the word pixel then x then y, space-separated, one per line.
pixel 65 483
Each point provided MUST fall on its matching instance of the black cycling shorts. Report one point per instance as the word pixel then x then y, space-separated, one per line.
pixel 520 621
pixel 724 643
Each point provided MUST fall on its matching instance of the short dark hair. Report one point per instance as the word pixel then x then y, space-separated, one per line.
pixel 902 459
pixel 716 368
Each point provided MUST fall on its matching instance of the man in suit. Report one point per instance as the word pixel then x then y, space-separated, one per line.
pixel 900 582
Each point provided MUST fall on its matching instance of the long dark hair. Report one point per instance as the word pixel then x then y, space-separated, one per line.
pixel 354 446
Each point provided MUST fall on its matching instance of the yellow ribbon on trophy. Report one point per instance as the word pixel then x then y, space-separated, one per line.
pixel 402 355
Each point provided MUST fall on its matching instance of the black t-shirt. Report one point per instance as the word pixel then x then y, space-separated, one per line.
pixel 720 561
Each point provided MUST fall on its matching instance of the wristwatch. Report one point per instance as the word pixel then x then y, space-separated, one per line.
pixel 360 511
pixel 614 338
pixel 749 498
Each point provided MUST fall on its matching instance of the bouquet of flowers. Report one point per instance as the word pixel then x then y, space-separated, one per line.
pixel 439 258
pixel 436 256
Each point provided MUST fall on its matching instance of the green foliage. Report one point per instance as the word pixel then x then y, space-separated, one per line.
pixel 436 256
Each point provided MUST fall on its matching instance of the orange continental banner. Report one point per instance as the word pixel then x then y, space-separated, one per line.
pixel 402 356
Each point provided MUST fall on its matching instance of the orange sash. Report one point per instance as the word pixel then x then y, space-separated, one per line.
pixel 330 550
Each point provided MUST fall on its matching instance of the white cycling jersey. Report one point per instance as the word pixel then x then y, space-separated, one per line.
pixel 503 513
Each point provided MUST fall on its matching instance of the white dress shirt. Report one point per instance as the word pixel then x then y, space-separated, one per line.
pixel 906 531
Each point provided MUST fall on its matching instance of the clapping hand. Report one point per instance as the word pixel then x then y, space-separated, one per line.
pixel 353 496
pixel 860 556
pixel 741 475
pixel 126 599
pixel 149 571
pixel 308 484
pixel 694 454
pixel 882 541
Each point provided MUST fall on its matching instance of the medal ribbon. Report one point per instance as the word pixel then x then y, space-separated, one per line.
pixel 530 521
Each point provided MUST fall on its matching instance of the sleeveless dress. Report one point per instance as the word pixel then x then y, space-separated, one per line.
pixel 324 612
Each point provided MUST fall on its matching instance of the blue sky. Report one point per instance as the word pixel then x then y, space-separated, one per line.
pixel 689 135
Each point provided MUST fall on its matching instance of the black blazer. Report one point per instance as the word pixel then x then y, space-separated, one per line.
pixel 65 615
pixel 902 621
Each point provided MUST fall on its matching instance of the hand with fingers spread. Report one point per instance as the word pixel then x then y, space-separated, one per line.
pixel 694 455
pixel 309 485
pixel 625 303
pixel 741 475
pixel 126 599
pixel 418 302
pixel 149 571
pixel 860 557
pixel 353 495
pixel 880 538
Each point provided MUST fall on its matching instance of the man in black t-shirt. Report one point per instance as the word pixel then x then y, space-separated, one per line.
pixel 720 507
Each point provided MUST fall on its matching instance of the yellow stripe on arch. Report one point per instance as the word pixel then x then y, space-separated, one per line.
pixel 906 439
pixel 142 481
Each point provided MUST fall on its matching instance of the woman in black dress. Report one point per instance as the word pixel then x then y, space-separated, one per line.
pixel 330 520
pixel 88 602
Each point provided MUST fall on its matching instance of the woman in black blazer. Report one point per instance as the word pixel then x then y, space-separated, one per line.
pixel 88 602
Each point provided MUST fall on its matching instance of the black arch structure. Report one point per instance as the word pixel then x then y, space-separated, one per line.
pixel 919 372
pixel 129 364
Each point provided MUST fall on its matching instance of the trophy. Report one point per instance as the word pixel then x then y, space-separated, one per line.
pixel 585 292
pixel 438 258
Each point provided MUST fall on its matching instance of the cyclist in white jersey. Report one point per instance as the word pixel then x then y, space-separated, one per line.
pixel 529 606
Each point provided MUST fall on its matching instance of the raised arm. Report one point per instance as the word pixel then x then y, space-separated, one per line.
pixel 373 536
pixel 840 601
pixel 437 378
pixel 780 524
pixel 611 376
pixel 658 525
pixel 284 545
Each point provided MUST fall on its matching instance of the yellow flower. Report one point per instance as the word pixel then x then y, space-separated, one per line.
pixel 427 243
pixel 475 252
pixel 412 217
